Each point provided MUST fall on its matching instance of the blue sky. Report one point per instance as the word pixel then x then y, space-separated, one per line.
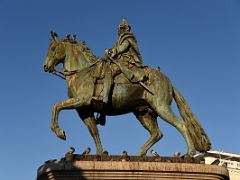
pixel 196 44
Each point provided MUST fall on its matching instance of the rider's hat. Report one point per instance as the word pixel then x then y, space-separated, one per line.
pixel 124 25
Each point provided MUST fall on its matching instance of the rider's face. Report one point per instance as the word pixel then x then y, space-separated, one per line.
pixel 121 30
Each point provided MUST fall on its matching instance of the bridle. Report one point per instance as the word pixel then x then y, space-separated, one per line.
pixel 62 73
pixel 59 73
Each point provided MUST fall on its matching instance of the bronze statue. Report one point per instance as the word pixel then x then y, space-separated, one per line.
pixel 85 75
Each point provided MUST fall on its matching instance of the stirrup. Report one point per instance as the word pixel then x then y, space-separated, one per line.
pixel 97 99
pixel 101 120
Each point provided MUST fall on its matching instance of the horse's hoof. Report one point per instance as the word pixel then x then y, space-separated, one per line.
pixel 142 154
pixel 61 134
pixel 192 153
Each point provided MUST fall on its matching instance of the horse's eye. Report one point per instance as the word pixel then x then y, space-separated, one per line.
pixel 53 48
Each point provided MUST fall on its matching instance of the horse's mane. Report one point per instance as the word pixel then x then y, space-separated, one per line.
pixel 82 47
pixel 87 52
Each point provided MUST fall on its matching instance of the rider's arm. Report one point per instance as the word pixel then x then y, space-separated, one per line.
pixel 123 47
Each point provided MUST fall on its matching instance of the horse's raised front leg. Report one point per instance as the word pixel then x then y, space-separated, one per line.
pixel 149 121
pixel 71 103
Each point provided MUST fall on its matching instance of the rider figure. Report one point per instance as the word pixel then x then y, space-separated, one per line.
pixel 126 58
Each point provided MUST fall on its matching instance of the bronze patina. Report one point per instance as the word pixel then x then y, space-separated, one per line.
pixel 119 84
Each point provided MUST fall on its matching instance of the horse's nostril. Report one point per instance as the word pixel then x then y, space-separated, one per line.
pixel 45 67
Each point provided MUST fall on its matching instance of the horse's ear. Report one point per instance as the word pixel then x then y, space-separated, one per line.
pixel 54 35
pixel 68 37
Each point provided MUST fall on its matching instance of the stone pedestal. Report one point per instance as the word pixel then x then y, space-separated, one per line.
pixel 69 170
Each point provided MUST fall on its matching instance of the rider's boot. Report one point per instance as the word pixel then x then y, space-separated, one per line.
pixel 107 85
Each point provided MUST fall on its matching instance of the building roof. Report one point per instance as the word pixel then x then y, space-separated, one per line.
pixel 223 155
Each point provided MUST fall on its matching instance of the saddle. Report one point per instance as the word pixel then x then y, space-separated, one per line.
pixel 100 69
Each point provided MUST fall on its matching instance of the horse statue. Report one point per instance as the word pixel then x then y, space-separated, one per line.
pixel 80 65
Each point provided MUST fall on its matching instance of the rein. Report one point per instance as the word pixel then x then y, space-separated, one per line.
pixel 63 73
pixel 59 73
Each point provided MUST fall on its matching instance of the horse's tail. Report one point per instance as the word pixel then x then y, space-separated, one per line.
pixel 199 137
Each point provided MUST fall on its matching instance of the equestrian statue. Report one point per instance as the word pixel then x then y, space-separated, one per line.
pixel 117 84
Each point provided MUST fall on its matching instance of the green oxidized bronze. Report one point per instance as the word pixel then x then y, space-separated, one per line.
pixel 119 84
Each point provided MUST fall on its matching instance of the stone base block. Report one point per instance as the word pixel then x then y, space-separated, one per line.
pixel 74 170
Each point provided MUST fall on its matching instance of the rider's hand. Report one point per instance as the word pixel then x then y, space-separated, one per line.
pixel 109 52
pixel 112 52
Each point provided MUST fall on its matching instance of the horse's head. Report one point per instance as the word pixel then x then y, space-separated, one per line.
pixel 56 54
pixel 73 55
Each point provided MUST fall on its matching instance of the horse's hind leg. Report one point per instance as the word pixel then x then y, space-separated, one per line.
pixel 149 120
pixel 166 113
pixel 90 122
